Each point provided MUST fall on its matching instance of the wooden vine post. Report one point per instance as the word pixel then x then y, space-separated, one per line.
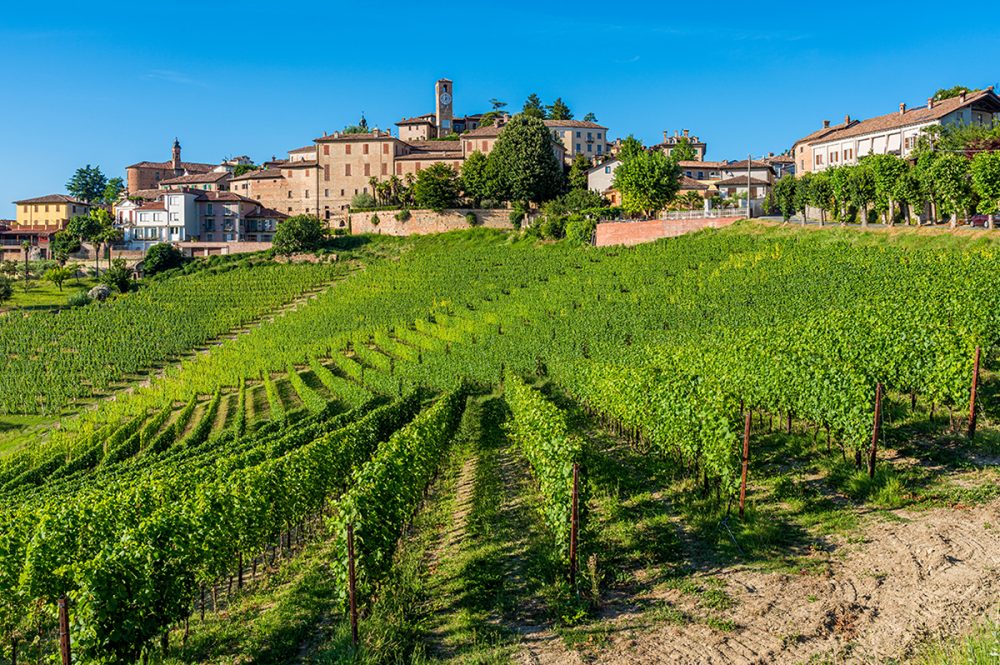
pixel 64 646
pixel 574 525
pixel 875 430
pixel 352 587
pixel 972 396
pixel 746 462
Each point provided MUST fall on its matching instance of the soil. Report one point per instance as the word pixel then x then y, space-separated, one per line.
pixel 910 577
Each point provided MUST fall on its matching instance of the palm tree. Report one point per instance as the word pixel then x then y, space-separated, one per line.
pixel 373 183
pixel 26 246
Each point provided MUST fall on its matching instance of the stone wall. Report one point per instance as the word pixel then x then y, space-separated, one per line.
pixel 634 233
pixel 426 221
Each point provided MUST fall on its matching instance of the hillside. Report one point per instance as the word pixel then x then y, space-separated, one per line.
pixel 436 393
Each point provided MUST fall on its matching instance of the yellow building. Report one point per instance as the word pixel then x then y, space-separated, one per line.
pixel 50 212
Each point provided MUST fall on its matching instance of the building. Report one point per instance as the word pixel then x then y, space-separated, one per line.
pixel 580 137
pixel 206 216
pixel 50 212
pixel 707 173
pixel 894 133
pixel 147 175
pixel 782 164
pixel 601 176
pixel 442 122
pixel 671 142
pixel 217 180
pixel 267 186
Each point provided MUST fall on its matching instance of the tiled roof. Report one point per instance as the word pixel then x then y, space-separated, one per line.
pixel 152 206
pixel 267 213
pixel 419 120
pixel 735 166
pixel 191 167
pixel 780 159
pixel 300 164
pixel 576 124
pixel 693 164
pixel 261 174
pixel 691 183
pixel 305 148
pixel 197 178
pixel 53 198
pixel 435 145
pixel 148 194
pixel 898 119
pixel 483 132
pixel 740 180
pixel 221 196
pixel 439 154
pixel 369 136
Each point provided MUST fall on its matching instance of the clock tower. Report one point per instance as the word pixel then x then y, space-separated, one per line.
pixel 444 91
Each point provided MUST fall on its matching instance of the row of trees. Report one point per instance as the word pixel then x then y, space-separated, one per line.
pixel 891 189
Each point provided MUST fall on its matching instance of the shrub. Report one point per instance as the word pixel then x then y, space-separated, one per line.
pixel 553 227
pixel 375 220
pixel 6 289
pixel 403 215
pixel 471 218
pixel 517 214
pixel 579 229
pixel 302 233
pixel 362 200
pixel 160 257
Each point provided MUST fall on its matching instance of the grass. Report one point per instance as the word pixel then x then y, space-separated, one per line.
pixel 46 295
pixel 979 647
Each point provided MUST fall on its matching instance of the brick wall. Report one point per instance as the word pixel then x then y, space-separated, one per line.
pixel 634 233
pixel 426 221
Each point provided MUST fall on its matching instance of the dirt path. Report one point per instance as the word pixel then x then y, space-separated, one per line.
pixel 918 575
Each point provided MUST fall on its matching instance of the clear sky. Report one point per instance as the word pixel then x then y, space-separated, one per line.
pixel 113 83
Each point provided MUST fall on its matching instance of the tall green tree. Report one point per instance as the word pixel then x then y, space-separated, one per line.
pixel 821 194
pixel 496 104
pixel 910 194
pixel 477 179
pixel 986 183
pixel 106 233
pixel 437 187
pixel 954 185
pixel 524 163
pixel 683 151
pixel 646 180
pixel 301 233
pixel 578 172
pixel 6 289
pixel 886 171
pixel 559 110
pixel 87 184
pixel 86 228
pixel 63 244
pixel 533 107
pixel 590 117
pixel 113 191
pixel 803 194
pixel 630 146
pixel 785 197
pixel 948 93
pixel 861 190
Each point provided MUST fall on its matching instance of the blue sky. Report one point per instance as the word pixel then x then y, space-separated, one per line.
pixel 113 83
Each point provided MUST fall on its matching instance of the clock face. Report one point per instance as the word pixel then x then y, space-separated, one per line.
pixel 445 98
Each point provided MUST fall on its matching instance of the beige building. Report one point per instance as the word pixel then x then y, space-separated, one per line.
pixel 580 137
pixel 894 133
pixel 671 142
pixel 217 181
pixel 50 212
pixel 147 175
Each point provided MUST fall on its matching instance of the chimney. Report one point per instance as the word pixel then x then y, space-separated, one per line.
pixel 930 102
pixel 826 124
pixel 676 133
pixel 686 132
pixel 961 96
pixel 665 136
pixel 902 108
pixel 847 119
pixel 324 132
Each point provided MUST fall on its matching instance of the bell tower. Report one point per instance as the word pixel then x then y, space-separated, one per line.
pixel 444 93
pixel 175 157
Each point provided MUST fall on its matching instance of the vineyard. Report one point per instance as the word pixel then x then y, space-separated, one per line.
pixel 473 434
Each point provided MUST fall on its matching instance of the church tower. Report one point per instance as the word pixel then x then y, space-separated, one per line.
pixel 175 159
pixel 444 95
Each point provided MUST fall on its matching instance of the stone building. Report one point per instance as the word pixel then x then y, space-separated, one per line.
pixel 671 142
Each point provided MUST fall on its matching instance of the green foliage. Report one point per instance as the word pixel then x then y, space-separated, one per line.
pixel 785 196
pixel 478 179
pixel 118 276
pixel 986 181
pixel 63 244
pixel 301 233
pixel 58 275
pixel 243 169
pixel 523 162
pixel 647 181
pixel 578 172
pixel 533 107
pixel 579 229
pixel 683 151
pixel 948 93
pixel 6 289
pixel 952 184
pixel 362 201
pixel 88 184
pixel 160 257
pixel 437 187
pixel 590 117
pixel 471 219
pixel 113 191
pixel 558 110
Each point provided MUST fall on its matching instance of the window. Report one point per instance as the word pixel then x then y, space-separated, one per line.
pixel 364 148
pixel 701 175
pixel 326 193
pixel 484 146
pixel 46 208
pixel 590 148
pixel 819 160
pixel 307 193
pixel 607 169
pixel 289 193
pixel 385 148
pixel 368 167
pixel 599 148
pixel 385 168
pixel 347 169
pixel 578 148
pixel 347 149
pixel 341 193
pixel 399 168
pixel 326 149
pixel 590 136
pixel 578 135
pixel 326 172
pixel 598 136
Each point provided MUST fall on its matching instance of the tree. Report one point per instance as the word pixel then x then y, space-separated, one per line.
pixel 683 151
pixel 558 110
pixel 160 257
pixel 533 107
pixel 6 290
pixel 26 248
pixel 118 276
pixel 86 228
pixel 113 191
pixel 886 171
pixel 986 183
pixel 948 93
pixel 477 180
pixel 489 118
pixel 786 197
pixel 647 181
pixel 62 245
pixel 821 194
pixel 8 267
pixel 106 234
pixel 590 117
pixel 909 193
pixel 241 169
pixel 496 104
pixel 437 187
pixel 578 172
pixel 302 233
pixel 951 176
pixel 87 184
pixel 860 189
pixel 630 146
pixel 58 275
pixel 523 162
